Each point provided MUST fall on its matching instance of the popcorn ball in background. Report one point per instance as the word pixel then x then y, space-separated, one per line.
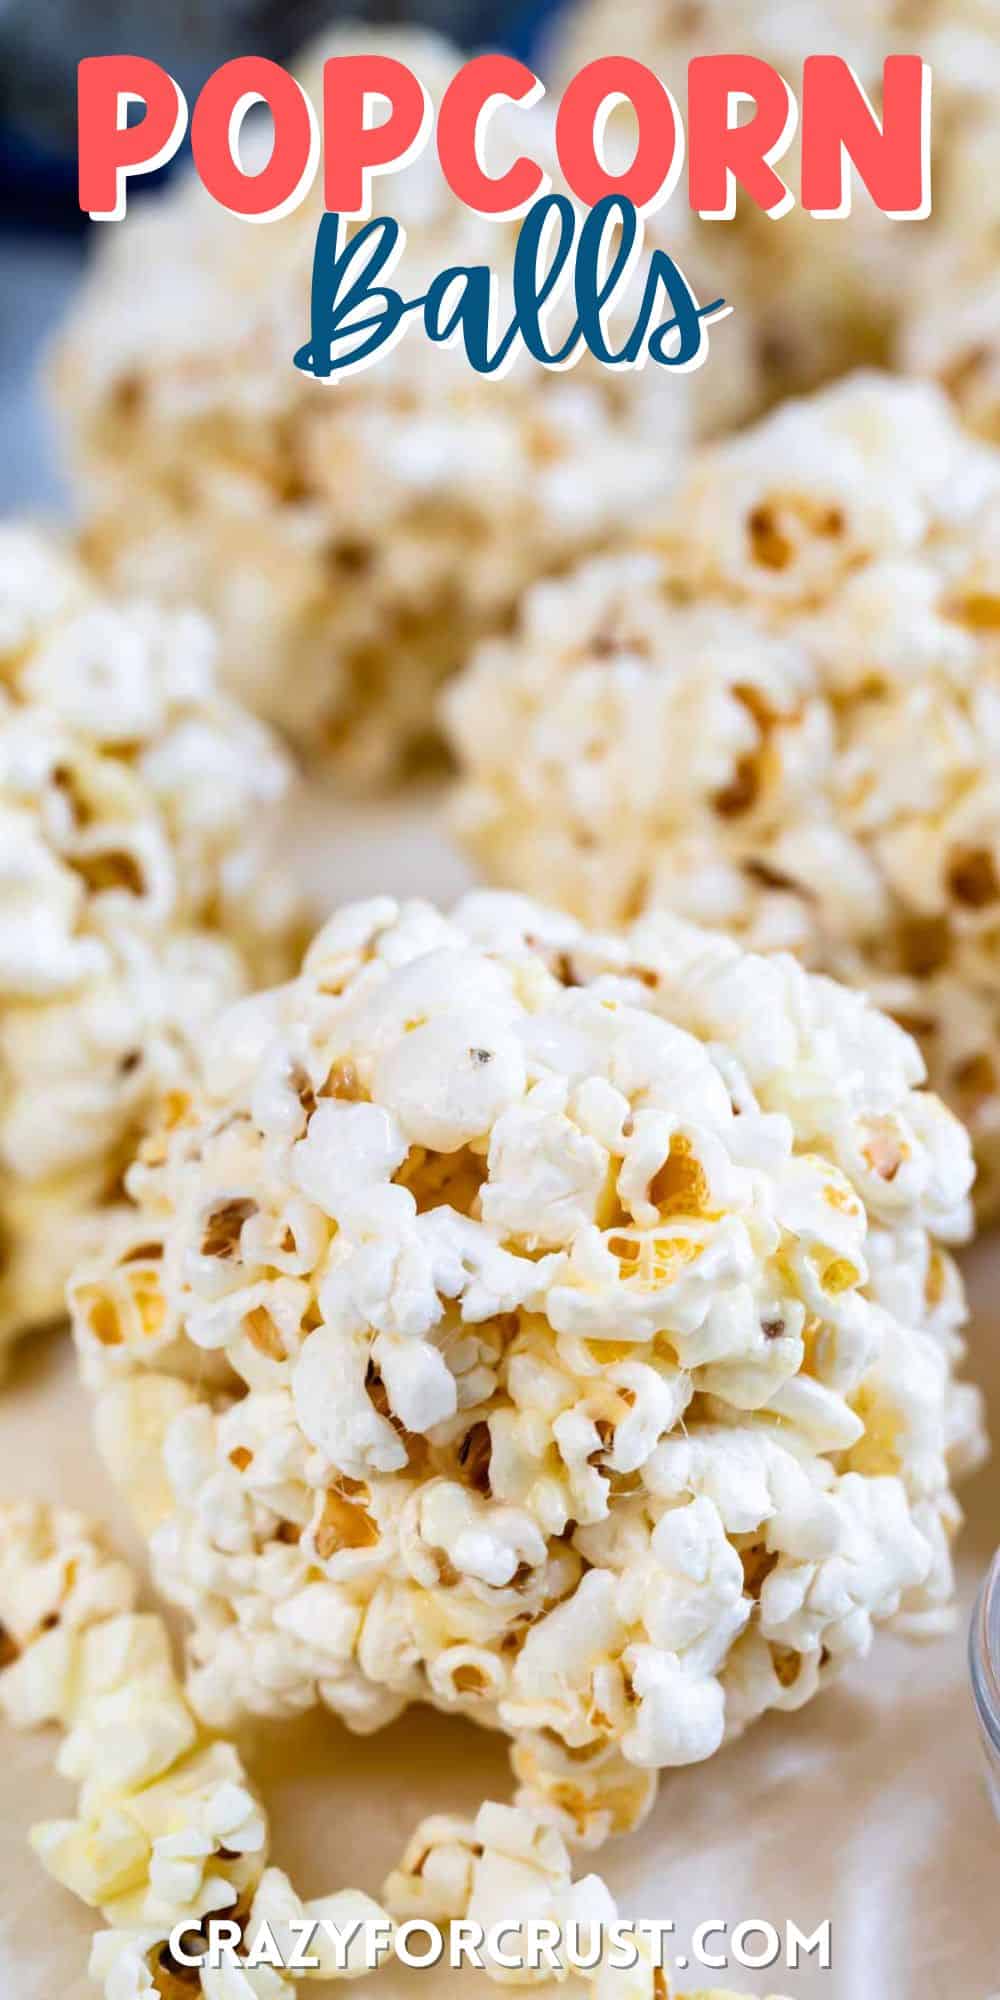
pixel 782 717
pixel 827 295
pixel 354 544
pixel 589 1334
pixel 817 295
pixel 951 329
pixel 135 896
pixel 351 542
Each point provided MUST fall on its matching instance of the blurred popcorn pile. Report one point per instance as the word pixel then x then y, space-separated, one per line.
pixel 353 540
pixel 555 1325
pixel 136 897
pixel 844 292
pixel 353 545
pixel 779 714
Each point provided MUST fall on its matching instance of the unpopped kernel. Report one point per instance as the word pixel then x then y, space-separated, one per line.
pixel 782 717
pixel 135 899
pixel 582 1332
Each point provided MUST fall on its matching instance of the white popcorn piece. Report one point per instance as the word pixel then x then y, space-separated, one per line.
pixel 353 546
pixel 136 897
pixel 57 1579
pixel 614 1470
pixel 169 1830
pixel 508 1867
pixel 780 718
pixel 277 1904
pixel 434 1876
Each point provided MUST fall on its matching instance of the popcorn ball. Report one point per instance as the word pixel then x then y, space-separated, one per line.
pixel 351 541
pixel 782 717
pixel 951 326
pixel 582 1332
pixel 169 1829
pixel 825 295
pixel 135 899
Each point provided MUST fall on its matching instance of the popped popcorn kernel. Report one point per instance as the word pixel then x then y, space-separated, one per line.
pixel 590 1793
pixel 57 1578
pixel 610 1408
pixel 509 1865
pixel 778 717
pixel 136 899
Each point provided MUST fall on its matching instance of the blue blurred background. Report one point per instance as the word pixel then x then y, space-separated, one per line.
pixel 42 233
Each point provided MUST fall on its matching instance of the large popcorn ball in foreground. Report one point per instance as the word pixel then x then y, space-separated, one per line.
pixel 590 1334
pixel 351 539
pixel 135 899
pixel 781 717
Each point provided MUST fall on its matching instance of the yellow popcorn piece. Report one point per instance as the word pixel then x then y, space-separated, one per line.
pixel 168 1828
pixel 510 1867
pixel 591 1793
